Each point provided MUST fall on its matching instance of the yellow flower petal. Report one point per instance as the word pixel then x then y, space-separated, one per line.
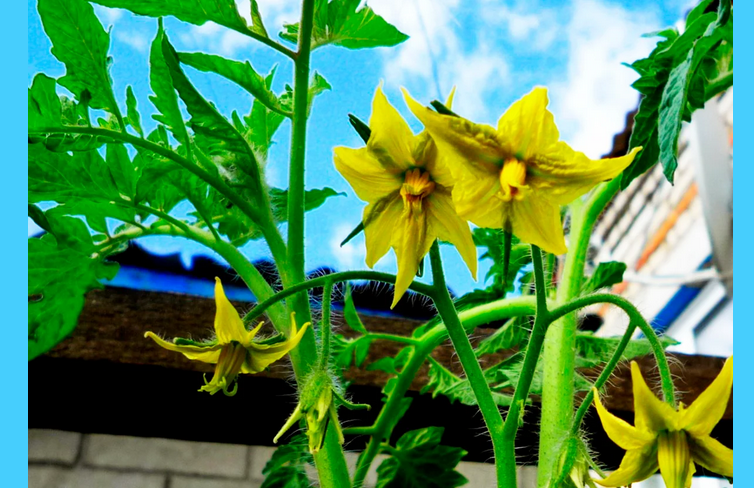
pixel 620 431
pixel 704 413
pixel 476 199
pixel 712 455
pixel 368 178
pixel 262 355
pixel 411 244
pixel 674 458
pixel 445 223
pixel 228 324
pixel 462 140
pixel 205 354
pixel 536 222
pixel 380 220
pixel 252 333
pixel 562 174
pixel 528 127
pixel 651 414
pixel 391 140
pixel 637 465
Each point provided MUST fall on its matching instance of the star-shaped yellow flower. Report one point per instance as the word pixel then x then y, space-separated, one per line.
pixel 516 177
pixel 408 187
pixel 233 349
pixel 670 439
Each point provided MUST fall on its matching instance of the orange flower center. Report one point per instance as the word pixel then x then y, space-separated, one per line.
pixel 512 180
pixel 416 187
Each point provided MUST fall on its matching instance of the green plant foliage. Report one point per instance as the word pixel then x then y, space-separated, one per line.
pixel 593 351
pixel 514 333
pixel 443 382
pixel 132 113
pixel 63 266
pixel 263 122
pixel 350 314
pixel 420 461
pixel 679 76
pixel 607 274
pixel 80 42
pixel 287 466
pixel 339 22
pixel 348 351
pixel 223 12
pixel 243 74
pixel 257 26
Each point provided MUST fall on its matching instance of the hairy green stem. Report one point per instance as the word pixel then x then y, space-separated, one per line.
pixel 490 412
pixel 334 278
pixel 533 351
pixel 560 340
pixel 324 326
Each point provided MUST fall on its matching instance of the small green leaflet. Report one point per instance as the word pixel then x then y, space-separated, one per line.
pixel 132 113
pixel 223 12
pixel 513 333
pixel 60 273
pixel 243 74
pixel 44 104
pixel 346 350
pixel 257 26
pixel 419 461
pixel 80 42
pixel 350 314
pixel 287 466
pixel 593 351
pixel 263 122
pixel 443 382
pixel 338 22
pixel 607 274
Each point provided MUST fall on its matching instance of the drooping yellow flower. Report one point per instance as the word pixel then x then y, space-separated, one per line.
pixel 407 185
pixel 517 176
pixel 233 349
pixel 670 439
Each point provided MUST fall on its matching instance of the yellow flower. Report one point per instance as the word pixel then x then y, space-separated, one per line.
pixel 233 349
pixel 515 177
pixel 672 440
pixel 408 188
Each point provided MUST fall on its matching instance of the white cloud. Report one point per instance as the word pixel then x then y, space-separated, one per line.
pixel 590 106
pixel 136 40
pixel 108 15
pixel 532 31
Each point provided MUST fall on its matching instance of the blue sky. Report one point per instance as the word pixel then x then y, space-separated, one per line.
pixel 494 52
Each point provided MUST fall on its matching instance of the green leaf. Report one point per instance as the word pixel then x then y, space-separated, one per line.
pixel 38 216
pixel 257 26
pixel 44 104
pixel 350 314
pixel 287 466
pixel 223 12
pixel 132 113
pixel 340 23
pixel 443 382
pixel 243 74
pixel 124 173
pixel 346 350
pixel 263 122
pixel 514 333
pixel 80 42
pixel 607 274
pixel 61 271
pixel 214 134
pixel 592 351
pixel 419 461
pixel 164 98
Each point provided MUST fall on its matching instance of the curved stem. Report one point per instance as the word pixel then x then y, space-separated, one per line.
pixel 490 412
pixel 635 317
pixel 533 351
pixel 333 278
pixel 395 338
pixel 267 41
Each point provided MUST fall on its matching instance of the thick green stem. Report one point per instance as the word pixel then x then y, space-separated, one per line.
pixel 560 341
pixel 533 351
pixel 490 412
pixel 333 278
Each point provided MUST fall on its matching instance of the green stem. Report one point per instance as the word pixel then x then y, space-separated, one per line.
pixel 533 351
pixel 635 317
pixel 560 340
pixel 334 278
pixel 267 41
pixel 390 337
pixel 324 326
pixel 490 412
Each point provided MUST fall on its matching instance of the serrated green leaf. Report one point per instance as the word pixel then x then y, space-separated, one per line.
pixel 514 333
pixel 165 98
pixel 443 382
pixel 80 42
pixel 122 169
pixel 257 26
pixel 340 23
pixel 44 104
pixel 132 113
pixel 350 314
pixel 287 466
pixel 263 122
pixel 419 461
pixel 592 351
pixel 607 274
pixel 243 74
pixel 383 364
pixel 198 12
pixel 61 271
